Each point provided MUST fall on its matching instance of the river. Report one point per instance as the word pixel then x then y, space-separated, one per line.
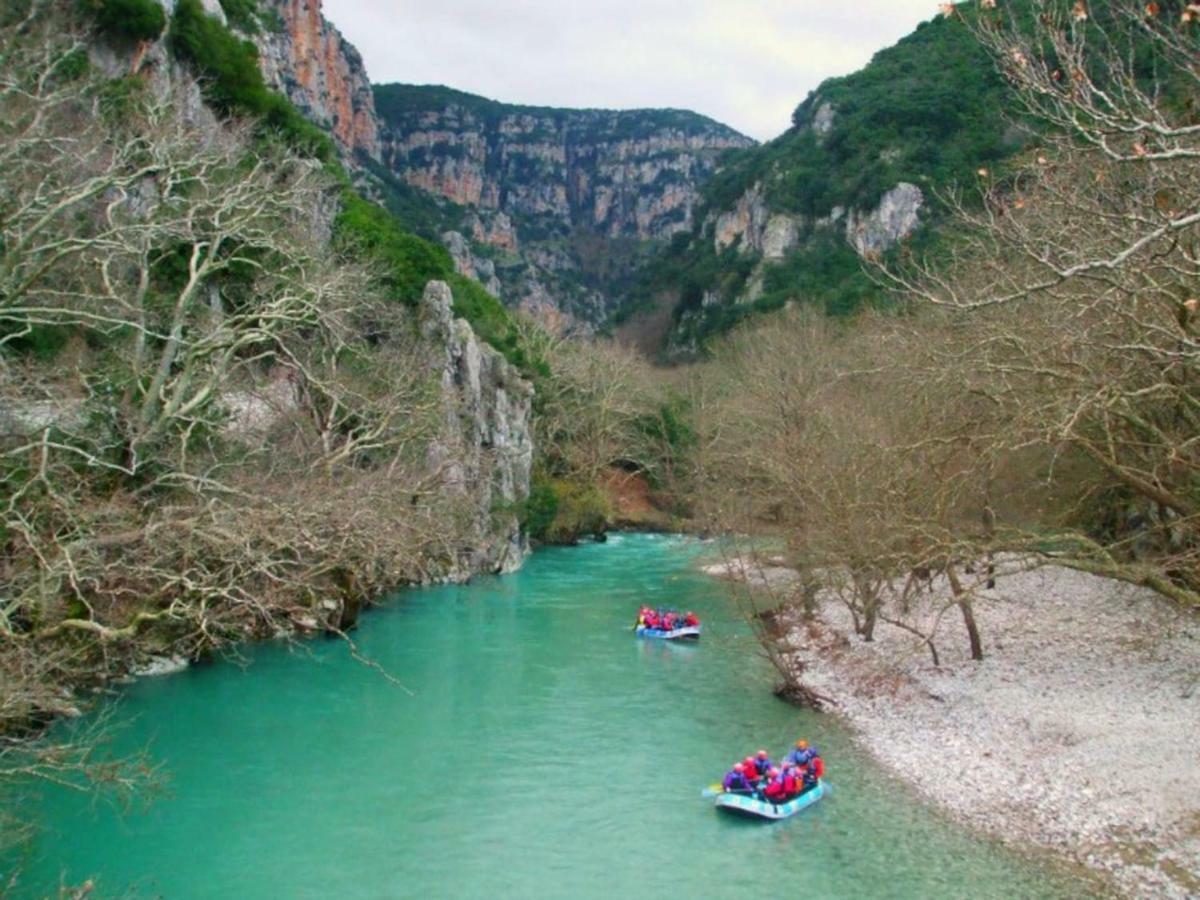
pixel 536 749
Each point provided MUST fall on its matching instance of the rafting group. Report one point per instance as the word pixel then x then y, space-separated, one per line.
pixel 756 786
pixel 759 778
pixel 666 620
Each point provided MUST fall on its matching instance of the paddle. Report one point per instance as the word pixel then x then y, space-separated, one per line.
pixel 714 790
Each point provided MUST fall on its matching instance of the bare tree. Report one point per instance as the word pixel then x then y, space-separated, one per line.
pixel 211 426
pixel 1073 299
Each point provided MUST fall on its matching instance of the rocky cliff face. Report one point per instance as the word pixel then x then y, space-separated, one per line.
pixel 769 240
pixel 624 174
pixel 753 227
pixel 309 61
pixel 484 454
pixel 549 192
pixel 484 451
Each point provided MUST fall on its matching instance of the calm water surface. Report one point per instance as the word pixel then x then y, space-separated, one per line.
pixel 543 752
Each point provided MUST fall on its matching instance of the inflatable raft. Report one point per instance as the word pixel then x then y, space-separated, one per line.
pixel 686 633
pixel 750 806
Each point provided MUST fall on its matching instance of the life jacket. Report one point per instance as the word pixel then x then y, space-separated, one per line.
pixel 777 788
pixel 818 767
pixel 790 785
pixel 691 621
pixel 802 757
pixel 762 765
pixel 736 781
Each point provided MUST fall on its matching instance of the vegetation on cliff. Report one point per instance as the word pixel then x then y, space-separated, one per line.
pixel 934 111
pixel 396 102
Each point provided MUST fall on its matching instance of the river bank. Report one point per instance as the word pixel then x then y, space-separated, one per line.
pixel 1077 732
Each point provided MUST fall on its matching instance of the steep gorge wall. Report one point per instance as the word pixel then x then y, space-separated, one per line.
pixel 859 175
pixel 484 451
pixel 621 174
pixel 550 209
pixel 557 201
pixel 482 455
pixel 308 61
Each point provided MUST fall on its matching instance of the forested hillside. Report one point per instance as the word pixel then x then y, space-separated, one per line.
pixel 862 176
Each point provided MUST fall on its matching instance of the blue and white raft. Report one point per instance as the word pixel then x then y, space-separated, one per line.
pixel 685 633
pixel 751 806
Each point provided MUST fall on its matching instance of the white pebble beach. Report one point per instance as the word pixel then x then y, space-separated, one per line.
pixel 1078 732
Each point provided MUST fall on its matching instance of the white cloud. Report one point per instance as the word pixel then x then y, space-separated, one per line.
pixel 744 63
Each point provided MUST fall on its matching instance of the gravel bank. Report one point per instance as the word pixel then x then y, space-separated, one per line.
pixel 1080 730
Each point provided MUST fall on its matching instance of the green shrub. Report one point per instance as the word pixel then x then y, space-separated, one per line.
pixel 539 510
pixel 407 261
pixel 559 511
pixel 242 14
pixel 128 21
pixel 233 82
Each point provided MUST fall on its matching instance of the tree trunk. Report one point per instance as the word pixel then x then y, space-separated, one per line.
pixel 963 599
pixel 870 617
pixel 972 629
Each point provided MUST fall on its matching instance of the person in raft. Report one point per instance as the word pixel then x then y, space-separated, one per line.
pixel 750 764
pixel 808 760
pixel 736 781
pixel 763 763
pixel 783 785
pixel 667 621
pixel 803 754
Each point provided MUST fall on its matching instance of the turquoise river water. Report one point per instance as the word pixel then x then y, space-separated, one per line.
pixel 540 750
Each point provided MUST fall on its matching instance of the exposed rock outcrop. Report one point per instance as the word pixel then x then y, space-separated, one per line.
pixel 567 194
pixel 633 173
pixel 822 120
pixel 753 227
pixel 467 263
pixel 894 219
pixel 484 454
pixel 310 62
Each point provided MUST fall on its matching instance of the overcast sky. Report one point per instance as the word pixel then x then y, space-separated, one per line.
pixel 746 63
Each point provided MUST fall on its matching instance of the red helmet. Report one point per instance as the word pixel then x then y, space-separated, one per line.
pixel 762 754
pixel 739 768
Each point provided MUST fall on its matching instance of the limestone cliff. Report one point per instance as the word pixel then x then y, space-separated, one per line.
pixel 484 453
pixel 765 240
pixel 308 60
pixel 554 196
